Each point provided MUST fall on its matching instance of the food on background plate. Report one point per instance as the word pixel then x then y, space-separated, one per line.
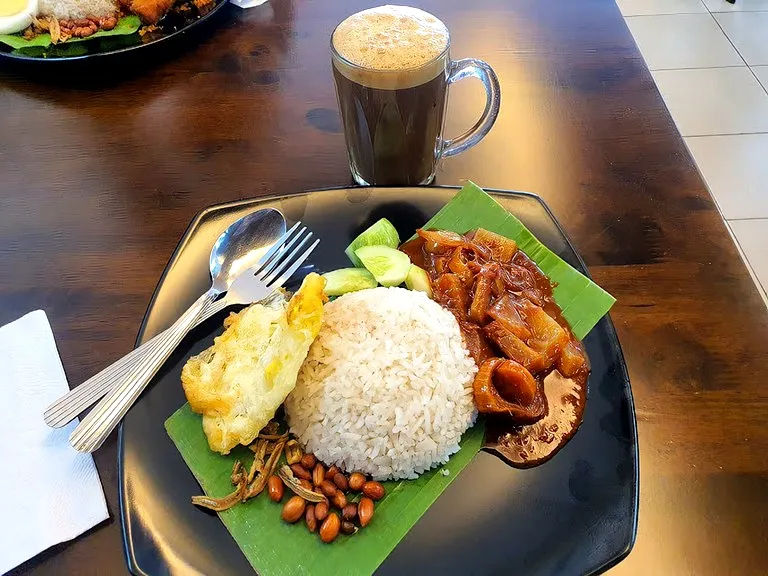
pixel 150 11
pixel 15 15
pixel 239 383
pixel 386 388
pixel 37 27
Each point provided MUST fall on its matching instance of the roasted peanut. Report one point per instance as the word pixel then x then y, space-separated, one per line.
pixel 356 481
pixel 330 528
pixel 293 509
pixel 365 511
pixel 308 461
pixel 321 511
pixel 348 527
pixel 309 518
pixel 318 474
pixel 349 512
pixel 341 481
pixel 275 488
pixel 328 488
pixel 306 484
pixel 82 22
pixel 332 471
pixel 300 472
pixel 339 500
pixel 108 23
pixel 374 490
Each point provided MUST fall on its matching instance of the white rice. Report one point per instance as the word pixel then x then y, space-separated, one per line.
pixel 387 386
pixel 71 9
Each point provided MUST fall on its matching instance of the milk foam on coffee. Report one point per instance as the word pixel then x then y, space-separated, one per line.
pixel 394 47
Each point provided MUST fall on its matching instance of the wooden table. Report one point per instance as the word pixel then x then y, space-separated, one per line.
pixel 98 184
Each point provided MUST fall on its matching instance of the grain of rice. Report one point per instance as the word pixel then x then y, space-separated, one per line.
pixel 387 386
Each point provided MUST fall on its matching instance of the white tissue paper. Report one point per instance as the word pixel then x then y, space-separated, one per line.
pixel 51 493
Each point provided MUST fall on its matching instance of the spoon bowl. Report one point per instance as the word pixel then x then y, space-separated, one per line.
pixel 242 244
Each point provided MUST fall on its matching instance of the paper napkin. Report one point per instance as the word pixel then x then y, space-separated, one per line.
pixel 50 492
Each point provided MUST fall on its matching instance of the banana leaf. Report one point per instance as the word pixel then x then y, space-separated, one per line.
pixel 275 548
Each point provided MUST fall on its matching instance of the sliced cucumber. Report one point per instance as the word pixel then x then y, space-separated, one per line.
pixel 388 265
pixel 418 279
pixel 340 282
pixel 382 233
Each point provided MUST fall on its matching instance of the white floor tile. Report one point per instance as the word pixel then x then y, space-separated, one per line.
pixel 736 171
pixel 743 256
pixel 682 41
pixel 762 74
pixel 752 236
pixel 712 101
pixel 648 7
pixel 739 6
pixel 749 33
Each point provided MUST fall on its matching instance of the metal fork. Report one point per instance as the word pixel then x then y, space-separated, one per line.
pixel 90 434
pixel 66 408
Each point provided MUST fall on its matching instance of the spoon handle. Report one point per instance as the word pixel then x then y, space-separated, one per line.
pixel 67 407
pixel 94 429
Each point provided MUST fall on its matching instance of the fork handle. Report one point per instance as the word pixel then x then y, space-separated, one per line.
pixel 67 407
pixel 90 434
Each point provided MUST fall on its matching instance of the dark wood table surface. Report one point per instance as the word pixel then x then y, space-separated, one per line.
pixel 97 184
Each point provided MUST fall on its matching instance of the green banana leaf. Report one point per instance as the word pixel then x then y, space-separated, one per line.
pixel 275 548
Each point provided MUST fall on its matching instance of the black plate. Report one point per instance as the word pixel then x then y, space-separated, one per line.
pixel 133 51
pixel 576 514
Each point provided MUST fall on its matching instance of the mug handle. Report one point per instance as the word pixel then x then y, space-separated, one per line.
pixel 458 70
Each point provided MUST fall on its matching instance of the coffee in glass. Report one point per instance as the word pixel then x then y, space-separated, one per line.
pixel 392 69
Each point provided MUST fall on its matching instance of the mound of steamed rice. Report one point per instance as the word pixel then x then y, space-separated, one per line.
pixel 387 386
pixel 71 9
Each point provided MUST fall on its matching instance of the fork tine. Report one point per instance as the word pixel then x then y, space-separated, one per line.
pixel 276 248
pixel 295 266
pixel 285 261
pixel 263 272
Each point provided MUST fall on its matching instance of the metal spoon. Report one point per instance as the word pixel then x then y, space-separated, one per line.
pixel 239 247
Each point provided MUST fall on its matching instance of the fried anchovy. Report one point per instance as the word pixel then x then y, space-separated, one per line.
pixel 286 475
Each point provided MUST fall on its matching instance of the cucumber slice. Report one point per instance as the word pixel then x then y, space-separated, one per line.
pixel 382 233
pixel 418 279
pixel 340 282
pixel 388 265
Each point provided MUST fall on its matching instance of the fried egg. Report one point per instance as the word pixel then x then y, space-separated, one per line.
pixel 239 383
pixel 16 15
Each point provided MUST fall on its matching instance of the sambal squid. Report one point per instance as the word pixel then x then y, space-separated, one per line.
pixel 532 370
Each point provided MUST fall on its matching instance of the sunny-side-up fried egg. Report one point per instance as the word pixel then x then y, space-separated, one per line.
pixel 239 383
pixel 16 15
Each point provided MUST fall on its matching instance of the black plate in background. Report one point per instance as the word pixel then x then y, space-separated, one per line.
pixel 18 61
pixel 576 514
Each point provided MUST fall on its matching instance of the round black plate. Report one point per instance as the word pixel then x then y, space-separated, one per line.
pixel 141 49
pixel 576 514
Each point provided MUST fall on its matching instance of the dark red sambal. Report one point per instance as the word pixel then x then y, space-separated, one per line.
pixel 532 371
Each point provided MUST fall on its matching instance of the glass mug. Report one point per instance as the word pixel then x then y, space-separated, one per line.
pixel 392 68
